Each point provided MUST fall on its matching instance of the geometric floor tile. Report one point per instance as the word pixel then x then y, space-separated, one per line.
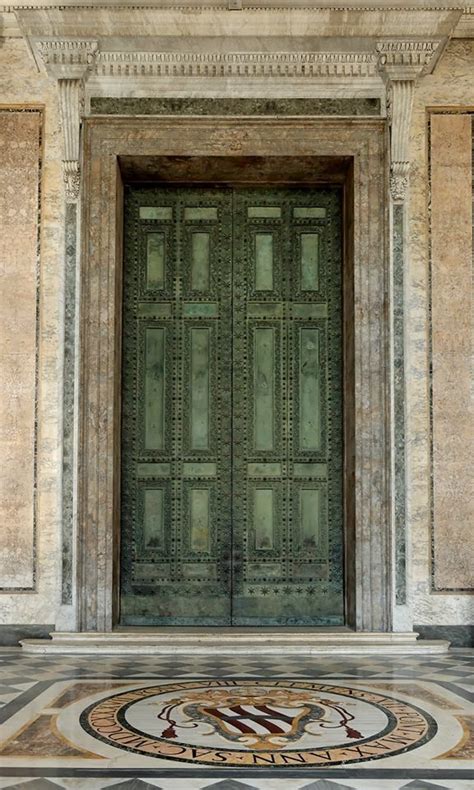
pixel 421 785
pixel 229 784
pixel 34 784
pixel 236 722
pixel 323 784
pixel 132 784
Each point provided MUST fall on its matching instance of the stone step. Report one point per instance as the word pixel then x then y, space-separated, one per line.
pixel 299 641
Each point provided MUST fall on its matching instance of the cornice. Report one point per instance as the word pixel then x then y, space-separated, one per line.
pixel 391 59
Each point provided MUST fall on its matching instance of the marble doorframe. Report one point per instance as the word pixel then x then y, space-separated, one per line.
pixel 369 551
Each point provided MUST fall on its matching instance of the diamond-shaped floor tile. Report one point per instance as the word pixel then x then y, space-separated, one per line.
pixel 419 784
pixel 229 784
pixel 132 784
pixel 34 784
pixel 325 784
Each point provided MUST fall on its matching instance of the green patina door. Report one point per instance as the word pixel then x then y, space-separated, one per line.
pixel 232 509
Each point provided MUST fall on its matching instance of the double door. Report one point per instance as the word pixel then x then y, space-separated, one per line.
pixel 231 485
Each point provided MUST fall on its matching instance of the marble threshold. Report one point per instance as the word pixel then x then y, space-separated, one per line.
pixel 235 641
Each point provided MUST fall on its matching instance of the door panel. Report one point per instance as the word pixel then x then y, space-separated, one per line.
pixel 287 408
pixel 232 408
pixel 176 431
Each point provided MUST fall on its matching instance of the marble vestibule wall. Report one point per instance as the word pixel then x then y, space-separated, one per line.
pixel 20 144
pixel 438 342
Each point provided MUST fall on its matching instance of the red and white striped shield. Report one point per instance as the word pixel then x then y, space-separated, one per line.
pixel 259 718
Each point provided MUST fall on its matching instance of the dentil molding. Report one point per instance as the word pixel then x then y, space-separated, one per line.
pixel 310 65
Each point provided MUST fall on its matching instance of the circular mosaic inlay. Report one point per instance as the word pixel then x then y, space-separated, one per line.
pixel 258 722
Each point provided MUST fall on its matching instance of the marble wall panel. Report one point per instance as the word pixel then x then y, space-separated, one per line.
pixel 20 172
pixel 452 346
pixel 23 87
pixel 450 89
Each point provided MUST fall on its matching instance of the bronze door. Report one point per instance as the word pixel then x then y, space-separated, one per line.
pixel 232 407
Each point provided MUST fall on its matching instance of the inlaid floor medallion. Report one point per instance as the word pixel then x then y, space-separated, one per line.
pixel 258 722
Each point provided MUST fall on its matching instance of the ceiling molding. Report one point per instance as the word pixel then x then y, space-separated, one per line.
pixel 247 5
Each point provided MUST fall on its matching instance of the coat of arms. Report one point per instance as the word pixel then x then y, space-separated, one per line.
pixel 256 717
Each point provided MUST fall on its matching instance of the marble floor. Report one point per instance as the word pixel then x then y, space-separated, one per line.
pixel 236 723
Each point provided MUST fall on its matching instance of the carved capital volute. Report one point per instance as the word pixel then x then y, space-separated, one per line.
pixel 69 61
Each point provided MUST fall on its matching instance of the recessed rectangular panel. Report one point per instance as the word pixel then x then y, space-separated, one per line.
pixel 199 469
pixel 264 470
pixel 263 261
pixel 200 309
pixel 264 212
pixel 265 570
pixel 155 261
pixel 309 390
pixel 263 518
pixel 150 572
pixel 156 212
pixel 199 502
pixel 200 213
pixel 265 309
pixel 154 310
pixel 309 261
pixel 200 571
pixel 199 389
pixel 263 381
pixel 310 310
pixel 200 262
pixel 309 212
pixel 153 518
pixel 153 470
pixel 154 388
pixel 309 511
pixel 310 470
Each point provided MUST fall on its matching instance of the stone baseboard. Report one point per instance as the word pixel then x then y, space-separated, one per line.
pixel 11 635
pixel 458 635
